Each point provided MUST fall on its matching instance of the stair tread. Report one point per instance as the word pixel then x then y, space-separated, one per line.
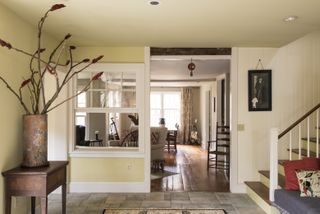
pixel 304 152
pixel 312 139
pixel 281 179
pixel 281 162
pixel 260 189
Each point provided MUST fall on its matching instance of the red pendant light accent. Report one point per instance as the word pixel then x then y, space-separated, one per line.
pixel 191 67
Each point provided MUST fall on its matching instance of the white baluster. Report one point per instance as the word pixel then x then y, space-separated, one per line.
pixel 299 141
pixel 290 145
pixel 308 136
pixel 273 185
pixel 317 136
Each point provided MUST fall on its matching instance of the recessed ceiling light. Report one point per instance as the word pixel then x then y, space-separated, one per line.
pixel 290 18
pixel 154 2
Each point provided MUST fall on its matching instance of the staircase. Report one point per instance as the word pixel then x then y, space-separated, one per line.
pixel 260 191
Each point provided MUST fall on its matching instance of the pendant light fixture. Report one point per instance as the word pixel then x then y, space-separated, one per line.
pixel 191 67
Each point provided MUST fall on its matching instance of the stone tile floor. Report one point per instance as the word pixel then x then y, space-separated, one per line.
pixel 94 203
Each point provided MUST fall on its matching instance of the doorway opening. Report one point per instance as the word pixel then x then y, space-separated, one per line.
pixel 185 110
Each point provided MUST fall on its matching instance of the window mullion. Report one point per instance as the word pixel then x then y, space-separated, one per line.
pixel 97 102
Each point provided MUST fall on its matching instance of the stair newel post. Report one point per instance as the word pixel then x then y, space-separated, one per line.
pixel 273 162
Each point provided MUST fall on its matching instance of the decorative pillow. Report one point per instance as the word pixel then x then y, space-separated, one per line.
pixel 154 138
pixel 309 183
pixel 290 168
pixel 311 163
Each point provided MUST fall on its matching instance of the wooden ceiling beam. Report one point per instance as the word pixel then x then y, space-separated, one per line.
pixel 189 51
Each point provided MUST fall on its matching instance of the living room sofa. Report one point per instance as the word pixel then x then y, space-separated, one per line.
pixel 158 142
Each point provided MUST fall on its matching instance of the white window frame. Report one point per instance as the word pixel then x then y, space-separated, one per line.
pixel 162 92
pixel 138 69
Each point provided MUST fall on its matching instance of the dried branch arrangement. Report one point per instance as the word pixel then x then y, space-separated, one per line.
pixel 39 68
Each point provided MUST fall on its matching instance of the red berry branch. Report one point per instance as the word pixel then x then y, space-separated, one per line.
pixel 39 67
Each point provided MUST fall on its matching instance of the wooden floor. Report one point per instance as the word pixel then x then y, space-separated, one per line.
pixel 190 162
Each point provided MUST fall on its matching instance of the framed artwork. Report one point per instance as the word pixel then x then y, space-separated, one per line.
pixel 260 90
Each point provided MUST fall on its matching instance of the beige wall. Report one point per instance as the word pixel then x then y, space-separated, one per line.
pixel 13 67
pixel 257 124
pixel 108 169
pixel 296 89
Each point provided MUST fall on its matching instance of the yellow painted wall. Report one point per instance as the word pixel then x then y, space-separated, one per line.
pixel 111 54
pixel 13 66
pixel 108 169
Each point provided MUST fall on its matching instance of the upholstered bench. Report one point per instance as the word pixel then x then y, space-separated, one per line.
pixel 289 201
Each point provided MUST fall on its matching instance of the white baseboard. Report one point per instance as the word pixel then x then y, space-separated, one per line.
pixel 106 187
pixel 238 188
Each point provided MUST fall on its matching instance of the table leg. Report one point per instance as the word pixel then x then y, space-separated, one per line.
pixel 33 205
pixel 44 205
pixel 64 198
pixel 8 204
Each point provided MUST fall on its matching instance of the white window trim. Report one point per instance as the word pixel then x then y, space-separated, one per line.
pixel 139 70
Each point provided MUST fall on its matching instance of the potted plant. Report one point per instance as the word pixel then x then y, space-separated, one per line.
pixel 32 89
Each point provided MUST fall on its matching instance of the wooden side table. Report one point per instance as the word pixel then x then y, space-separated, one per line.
pixel 36 182
pixel 93 142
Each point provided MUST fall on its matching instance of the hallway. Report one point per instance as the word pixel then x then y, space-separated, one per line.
pixel 190 164
pixel 94 203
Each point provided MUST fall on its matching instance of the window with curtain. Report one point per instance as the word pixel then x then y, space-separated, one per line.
pixel 166 105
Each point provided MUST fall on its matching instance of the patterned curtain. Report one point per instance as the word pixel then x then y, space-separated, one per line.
pixel 186 115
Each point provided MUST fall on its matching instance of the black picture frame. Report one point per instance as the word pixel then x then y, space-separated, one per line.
pixel 260 90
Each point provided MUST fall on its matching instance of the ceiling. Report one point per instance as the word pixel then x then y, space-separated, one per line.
pixel 175 23
pixel 177 70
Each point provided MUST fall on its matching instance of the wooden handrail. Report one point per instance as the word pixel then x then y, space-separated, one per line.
pixel 298 121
